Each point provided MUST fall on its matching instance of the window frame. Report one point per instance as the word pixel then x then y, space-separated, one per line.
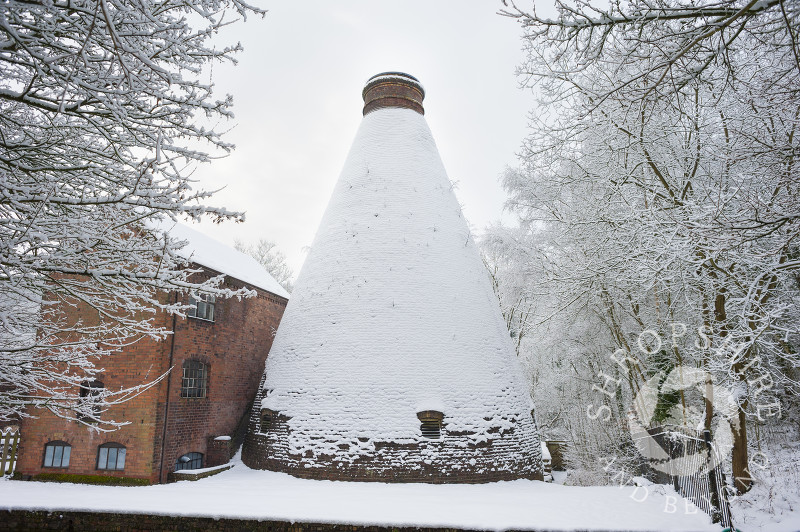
pixel 53 445
pixel 90 392
pixel 196 375
pixel 192 457
pixel 203 307
pixel 119 451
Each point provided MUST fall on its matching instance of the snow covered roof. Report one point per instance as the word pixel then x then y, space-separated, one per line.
pixel 393 311
pixel 206 251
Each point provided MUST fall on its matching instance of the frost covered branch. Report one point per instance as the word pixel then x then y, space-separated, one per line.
pixel 104 113
pixel 659 184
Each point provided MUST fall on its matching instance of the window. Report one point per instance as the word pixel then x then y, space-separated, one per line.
pixel 56 454
pixel 189 461
pixel 431 424
pixel 111 457
pixel 202 307
pixel 195 379
pixel 90 398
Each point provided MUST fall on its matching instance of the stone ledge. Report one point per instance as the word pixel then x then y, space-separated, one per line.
pixel 119 522
pixel 197 474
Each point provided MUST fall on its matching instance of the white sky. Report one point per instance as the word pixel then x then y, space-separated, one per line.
pixel 297 95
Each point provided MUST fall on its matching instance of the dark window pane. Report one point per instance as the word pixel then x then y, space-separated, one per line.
pixel 90 393
pixel 202 307
pixel 195 379
pixel 189 461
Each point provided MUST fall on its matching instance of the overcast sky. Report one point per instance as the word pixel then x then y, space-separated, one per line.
pixel 297 95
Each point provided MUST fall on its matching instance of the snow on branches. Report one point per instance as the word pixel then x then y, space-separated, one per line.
pixel 273 260
pixel 102 114
pixel 665 44
pixel 661 178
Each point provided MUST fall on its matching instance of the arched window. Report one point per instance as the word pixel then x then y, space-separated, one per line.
pixel 90 399
pixel 189 461
pixel 431 424
pixel 56 454
pixel 195 379
pixel 111 457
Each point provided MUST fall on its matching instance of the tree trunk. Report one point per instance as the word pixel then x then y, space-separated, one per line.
pixel 741 474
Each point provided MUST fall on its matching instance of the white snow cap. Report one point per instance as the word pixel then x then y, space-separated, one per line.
pixel 394 76
pixel 393 310
pixel 545 452
pixel 206 251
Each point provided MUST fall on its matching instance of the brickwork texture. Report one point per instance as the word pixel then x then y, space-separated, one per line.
pixel 234 347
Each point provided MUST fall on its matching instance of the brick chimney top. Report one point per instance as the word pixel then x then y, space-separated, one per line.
pixel 393 89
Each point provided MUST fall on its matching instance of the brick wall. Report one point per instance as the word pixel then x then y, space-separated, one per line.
pixel 454 458
pixel 558 450
pixel 392 92
pixel 139 363
pixel 234 346
pixel 69 521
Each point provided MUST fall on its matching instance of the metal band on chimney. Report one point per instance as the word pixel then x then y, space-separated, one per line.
pixel 393 89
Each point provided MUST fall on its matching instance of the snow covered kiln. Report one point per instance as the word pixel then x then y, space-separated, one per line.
pixel 392 361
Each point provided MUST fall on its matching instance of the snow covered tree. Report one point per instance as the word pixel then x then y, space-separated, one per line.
pixel 666 44
pixel 103 114
pixel 664 157
pixel 501 253
pixel 273 260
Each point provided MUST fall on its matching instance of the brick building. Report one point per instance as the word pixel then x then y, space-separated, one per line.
pixel 393 361
pixel 190 419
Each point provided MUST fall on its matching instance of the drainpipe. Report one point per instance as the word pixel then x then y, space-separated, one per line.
pixel 166 402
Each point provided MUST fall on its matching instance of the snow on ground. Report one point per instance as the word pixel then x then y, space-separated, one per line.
pixel 251 494
pixel 774 502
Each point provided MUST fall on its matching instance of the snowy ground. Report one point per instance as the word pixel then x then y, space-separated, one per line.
pixel 773 505
pixel 245 493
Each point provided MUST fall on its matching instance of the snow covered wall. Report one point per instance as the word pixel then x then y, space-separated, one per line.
pixel 393 322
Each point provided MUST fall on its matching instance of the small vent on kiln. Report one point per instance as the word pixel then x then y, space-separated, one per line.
pixel 431 424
